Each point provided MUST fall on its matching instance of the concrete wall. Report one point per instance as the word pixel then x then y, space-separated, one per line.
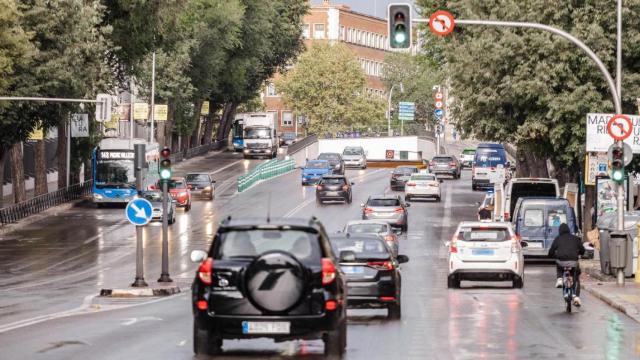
pixel 376 147
pixel 428 148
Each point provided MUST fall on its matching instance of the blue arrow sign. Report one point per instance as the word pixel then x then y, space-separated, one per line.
pixel 438 113
pixel 139 211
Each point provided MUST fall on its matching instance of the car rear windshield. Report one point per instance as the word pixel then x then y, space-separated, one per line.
pixel 152 196
pixel 383 202
pixel 483 234
pixel 368 248
pixel 367 228
pixel 468 151
pixel 352 151
pixel 405 170
pixel 332 181
pixel 176 184
pixel 241 244
pixel 197 177
pixel 316 165
pixel 442 159
pixel 423 177
pixel 328 156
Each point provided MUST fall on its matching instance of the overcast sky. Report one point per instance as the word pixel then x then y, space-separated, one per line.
pixel 372 7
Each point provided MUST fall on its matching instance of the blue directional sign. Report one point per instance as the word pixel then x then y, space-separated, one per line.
pixel 139 211
pixel 406 111
pixel 438 113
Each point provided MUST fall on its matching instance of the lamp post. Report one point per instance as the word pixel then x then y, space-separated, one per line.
pixel 389 133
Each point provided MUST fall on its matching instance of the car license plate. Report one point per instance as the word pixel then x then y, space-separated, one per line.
pixel 266 327
pixel 352 269
pixel 537 245
pixel 332 193
pixel 482 252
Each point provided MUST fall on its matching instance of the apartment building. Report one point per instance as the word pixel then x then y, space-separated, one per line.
pixel 365 35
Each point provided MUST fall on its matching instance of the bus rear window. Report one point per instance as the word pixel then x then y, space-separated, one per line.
pixel 490 157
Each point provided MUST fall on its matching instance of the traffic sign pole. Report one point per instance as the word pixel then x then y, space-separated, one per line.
pixel 164 276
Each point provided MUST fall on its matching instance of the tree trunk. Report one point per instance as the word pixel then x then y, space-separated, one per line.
pixel 88 171
pixel 17 173
pixel 530 164
pixel 208 129
pixel 61 153
pixel 589 204
pixel 226 120
pixel 195 135
pixel 160 125
pixel 40 181
pixel 3 153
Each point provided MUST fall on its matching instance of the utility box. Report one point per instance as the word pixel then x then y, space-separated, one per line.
pixel 404 155
pixel 619 249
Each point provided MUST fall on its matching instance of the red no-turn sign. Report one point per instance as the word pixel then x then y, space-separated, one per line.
pixel 441 23
pixel 619 127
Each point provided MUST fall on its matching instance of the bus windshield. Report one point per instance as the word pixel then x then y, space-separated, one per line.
pixel 258 133
pixel 237 129
pixel 114 173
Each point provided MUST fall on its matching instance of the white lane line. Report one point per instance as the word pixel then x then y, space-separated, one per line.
pixel 226 167
pixel 442 253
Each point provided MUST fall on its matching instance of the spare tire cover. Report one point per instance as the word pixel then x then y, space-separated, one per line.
pixel 275 281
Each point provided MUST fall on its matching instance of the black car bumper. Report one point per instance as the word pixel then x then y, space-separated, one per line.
pixel 372 294
pixel 332 195
pixel 397 184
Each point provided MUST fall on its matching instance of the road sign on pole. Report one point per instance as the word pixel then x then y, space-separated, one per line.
pixel 619 127
pixel 139 211
pixel 439 104
pixel 441 23
pixel 438 113
pixel 406 111
pixel 103 107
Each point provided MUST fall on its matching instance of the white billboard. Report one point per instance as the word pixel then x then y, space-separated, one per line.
pixel 598 140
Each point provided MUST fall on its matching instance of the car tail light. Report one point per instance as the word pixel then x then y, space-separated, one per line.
pixel 204 271
pixel 387 298
pixel 514 243
pixel 345 187
pixel 368 210
pixel 330 305
pixel 506 216
pixel 399 210
pixel 452 164
pixel 201 304
pixel 390 238
pixel 381 265
pixel 411 184
pixel 328 271
pixel 319 187
pixel 453 247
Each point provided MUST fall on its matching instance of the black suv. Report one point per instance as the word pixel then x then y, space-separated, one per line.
pixel 335 160
pixel 334 188
pixel 277 279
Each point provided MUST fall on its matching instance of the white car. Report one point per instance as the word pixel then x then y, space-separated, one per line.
pixel 422 185
pixel 485 251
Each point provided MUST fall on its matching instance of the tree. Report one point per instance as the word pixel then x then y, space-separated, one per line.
pixel 532 88
pixel 325 85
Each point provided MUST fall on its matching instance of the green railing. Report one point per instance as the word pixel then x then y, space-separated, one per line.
pixel 264 171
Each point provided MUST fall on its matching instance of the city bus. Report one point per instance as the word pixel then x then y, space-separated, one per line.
pixel 238 134
pixel 113 172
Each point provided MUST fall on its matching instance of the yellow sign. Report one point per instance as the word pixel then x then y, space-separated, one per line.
pixel 205 108
pixel 113 122
pixel 141 111
pixel 36 134
pixel 160 113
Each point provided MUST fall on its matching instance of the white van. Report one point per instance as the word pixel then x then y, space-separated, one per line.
pixel 527 187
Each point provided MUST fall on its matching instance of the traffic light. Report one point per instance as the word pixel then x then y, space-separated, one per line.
pixel 399 26
pixel 617 163
pixel 164 169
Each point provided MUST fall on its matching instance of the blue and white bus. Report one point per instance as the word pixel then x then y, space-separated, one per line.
pixel 114 178
pixel 238 134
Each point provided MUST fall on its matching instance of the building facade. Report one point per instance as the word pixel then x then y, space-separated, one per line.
pixel 365 35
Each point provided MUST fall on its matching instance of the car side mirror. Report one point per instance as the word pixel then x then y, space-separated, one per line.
pixel 362 205
pixel 407 205
pixel 523 244
pixel 402 259
pixel 347 256
pixel 397 231
pixel 198 255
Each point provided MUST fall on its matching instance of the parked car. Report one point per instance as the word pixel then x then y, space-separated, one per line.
pixel 389 208
pixel 537 221
pixel 487 161
pixel 466 157
pixel 527 187
pixel 400 175
pixel 354 156
pixel 201 184
pixel 277 279
pixel 485 251
pixel 445 165
pixel 423 186
pixel 382 229
pixel 179 191
pixel 373 273
pixel 313 171
pixel 334 188
pixel 155 198
pixel 335 160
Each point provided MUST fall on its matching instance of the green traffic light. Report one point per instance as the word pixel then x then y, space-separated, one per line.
pixel 165 174
pixel 400 36
pixel 617 175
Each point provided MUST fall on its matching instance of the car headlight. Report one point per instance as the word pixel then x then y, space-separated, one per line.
pixel 246 151
pixel 182 194
pixel 97 197
pixel 337 166
pixel 208 188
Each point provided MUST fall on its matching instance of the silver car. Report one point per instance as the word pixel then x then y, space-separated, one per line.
pixel 389 208
pixel 155 198
pixel 354 156
pixel 374 227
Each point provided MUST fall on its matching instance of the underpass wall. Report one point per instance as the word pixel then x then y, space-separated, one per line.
pixel 428 148
pixel 375 147
pixel 308 152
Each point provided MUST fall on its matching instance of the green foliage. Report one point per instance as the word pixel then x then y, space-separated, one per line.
pixel 327 85
pixel 532 88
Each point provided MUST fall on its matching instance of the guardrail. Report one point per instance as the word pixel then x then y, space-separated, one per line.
pixel 264 171
pixel 40 203
pixel 300 145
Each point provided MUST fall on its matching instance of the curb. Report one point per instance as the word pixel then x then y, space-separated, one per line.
pixel 592 288
pixel 143 292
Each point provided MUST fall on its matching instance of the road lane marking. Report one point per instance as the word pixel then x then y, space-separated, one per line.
pixel 446 219
pixel 225 167
pixel 131 321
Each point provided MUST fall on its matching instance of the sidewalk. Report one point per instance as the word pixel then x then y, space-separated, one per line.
pixel 623 298
pixel 7 200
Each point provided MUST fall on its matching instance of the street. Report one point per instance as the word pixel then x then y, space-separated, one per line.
pixel 48 308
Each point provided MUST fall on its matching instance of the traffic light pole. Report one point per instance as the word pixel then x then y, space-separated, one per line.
pixel 139 151
pixel 164 276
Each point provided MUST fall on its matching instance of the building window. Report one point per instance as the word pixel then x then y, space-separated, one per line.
pixel 380 42
pixel 305 31
pixel 343 35
pixel 287 118
pixel 318 31
pixel 271 89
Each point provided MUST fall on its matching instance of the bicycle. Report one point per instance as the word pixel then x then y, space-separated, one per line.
pixel 568 283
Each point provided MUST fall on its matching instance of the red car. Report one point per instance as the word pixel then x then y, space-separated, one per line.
pixel 179 192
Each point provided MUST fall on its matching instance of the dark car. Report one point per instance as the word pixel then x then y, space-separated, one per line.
pixel 389 208
pixel 400 176
pixel 201 184
pixel 277 279
pixel 155 198
pixel 334 188
pixel 373 273
pixel 335 160
pixel 447 165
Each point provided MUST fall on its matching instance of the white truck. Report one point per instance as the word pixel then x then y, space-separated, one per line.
pixel 260 135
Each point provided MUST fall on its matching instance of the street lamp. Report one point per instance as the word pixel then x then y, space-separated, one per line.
pixel 389 133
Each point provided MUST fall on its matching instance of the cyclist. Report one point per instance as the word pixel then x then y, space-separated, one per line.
pixel 567 247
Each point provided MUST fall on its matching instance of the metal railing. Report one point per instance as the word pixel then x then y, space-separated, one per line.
pixel 40 203
pixel 264 171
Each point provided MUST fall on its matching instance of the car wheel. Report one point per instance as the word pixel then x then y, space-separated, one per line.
pixel 204 342
pixel 319 202
pixel 407 198
pixel 171 220
pixel 188 207
pixel 518 282
pixel 349 200
pixel 453 282
pixel 394 311
pixel 405 227
pixel 438 199
pixel 335 342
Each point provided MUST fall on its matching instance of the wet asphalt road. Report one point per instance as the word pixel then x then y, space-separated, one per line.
pixel 51 266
